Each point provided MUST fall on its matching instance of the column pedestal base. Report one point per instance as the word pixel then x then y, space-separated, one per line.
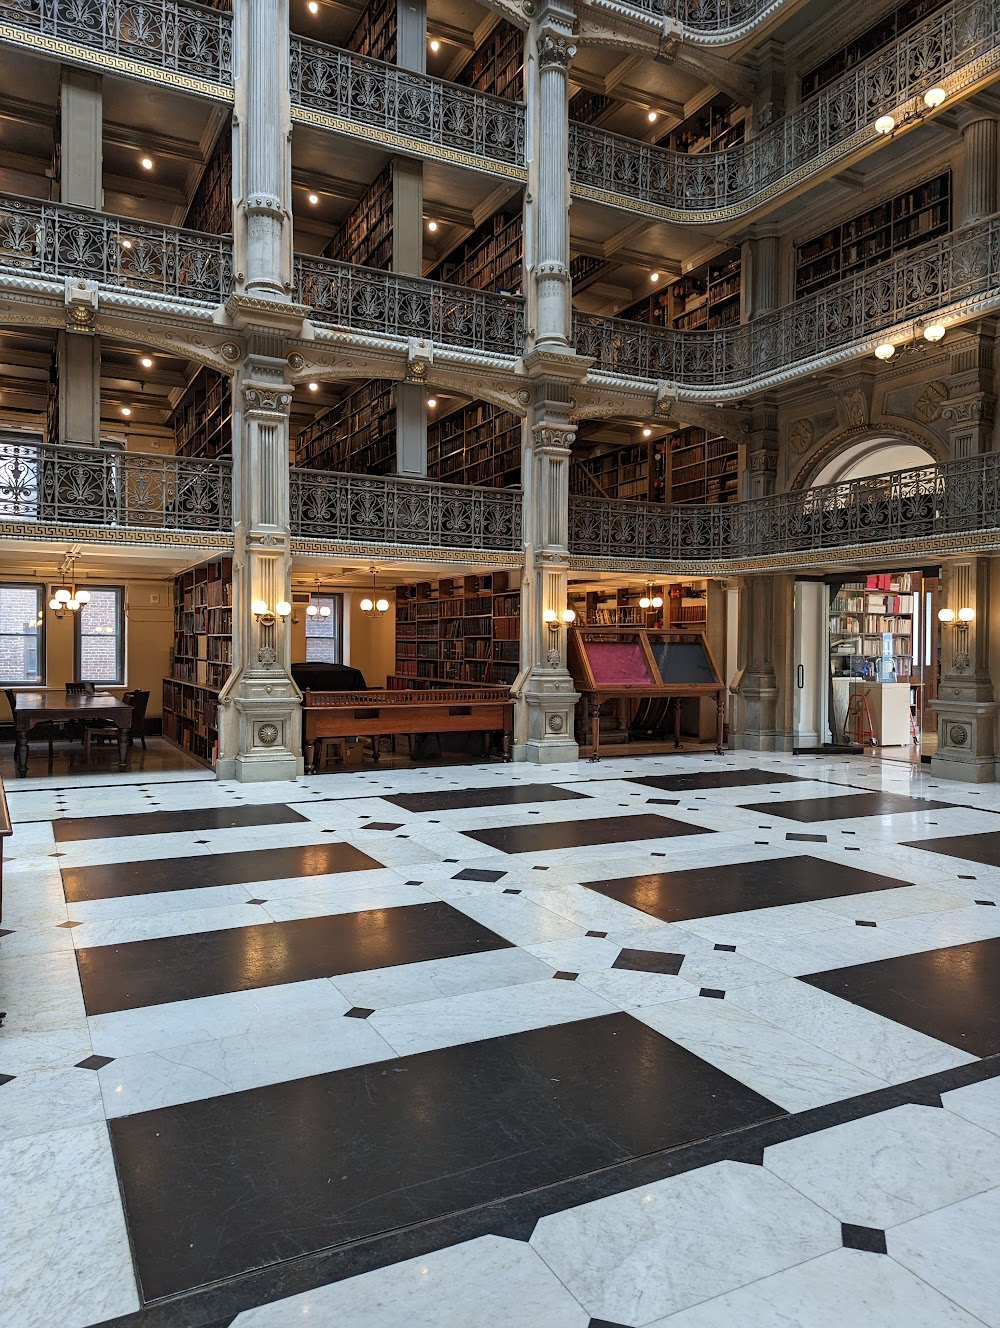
pixel 549 711
pixel 258 769
pixel 966 749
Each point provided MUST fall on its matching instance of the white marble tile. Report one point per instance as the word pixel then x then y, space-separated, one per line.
pixel 649 1252
pixel 228 1014
pixel 516 918
pixel 979 1103
pixel 931 931
pixel 163 901
pixel 627 989
pixel 490 1282
pixel 583 954
pixel 50 939
pixel 40 991
pixel 843 1289
pixel 877 1045
pixel 774 1062
pixel 339 897
pixel 885 1169
pixel 478 1015
pixel 141 927
pixel 58 1171
pixel 888 905
pixel 54 1048
pixel 265 1054
pixel 40 1100
pixel 408 984
pixel 956 1250
pixel 73 1269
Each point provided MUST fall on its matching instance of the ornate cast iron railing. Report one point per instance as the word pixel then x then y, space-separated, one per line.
pixel 394 510
pixel 709 21
pixel 50 240
pixel 92 486
pixel 368 92
pixel 176 35
pixel 370 300
pixel 960 267
pixel 955 497
pixel 948 41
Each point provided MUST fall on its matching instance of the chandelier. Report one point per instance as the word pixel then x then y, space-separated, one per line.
pixel 376 604
pixel 67 598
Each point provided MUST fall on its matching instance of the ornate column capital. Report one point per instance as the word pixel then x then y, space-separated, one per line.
pixel 554 50
pixel 266 401
pixel 553 440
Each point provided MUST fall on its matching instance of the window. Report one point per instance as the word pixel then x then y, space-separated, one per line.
pixel 22 635
pixel 323 638
pixel 100 636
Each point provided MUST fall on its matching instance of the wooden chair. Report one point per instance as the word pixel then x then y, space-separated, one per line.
pixel 101 728
pixel 47 731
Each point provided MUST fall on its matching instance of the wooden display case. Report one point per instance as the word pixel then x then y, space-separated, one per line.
pixel 654 669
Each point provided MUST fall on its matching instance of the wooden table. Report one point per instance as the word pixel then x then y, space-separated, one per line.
pixel 376 711
pixel 42 708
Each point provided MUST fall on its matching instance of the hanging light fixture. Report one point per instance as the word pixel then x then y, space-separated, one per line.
pixel 649 600
pixel 377 604
pixel 314 610
pixel 67 599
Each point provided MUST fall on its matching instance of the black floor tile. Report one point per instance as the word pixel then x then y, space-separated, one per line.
pixel 974 848
pixel 168 823
pixel 261 864
pixel 842 805
pixel 179 968
pixel 714 779
pixel 484 797
pixel 649 961
pixel 217 1187
pixel 952 994
pixel 580 834
pixel 702 892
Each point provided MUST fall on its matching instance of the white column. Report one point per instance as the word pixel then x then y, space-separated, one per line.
pixel 965 706
pixel 263 110
pixel 407 258
pixel 980 149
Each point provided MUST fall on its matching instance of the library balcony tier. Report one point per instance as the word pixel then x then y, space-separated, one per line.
pixel 53 242
pixel 59 484
pixel 338 89
pixel 701 22
pixel 371 300
pixel 953 277
pixel 192 42
pixel 923 508
pixel 391 509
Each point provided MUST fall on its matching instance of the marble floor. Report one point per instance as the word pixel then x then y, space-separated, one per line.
pixel 685 1040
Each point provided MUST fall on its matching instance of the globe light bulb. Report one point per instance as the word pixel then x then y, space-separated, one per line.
pixel 258 607
pixel 966 615
pixel 62 596
pixel 83 597
pixel 381 605
pixel 934 332
pixel 885 351
pixel 54 604
pixel 657 601
pixel 946 615
pixel 312 610
pixel 366 605
pixel 933 98
pixel 72 605
pixel 885 124
pixel 282 608
pixel 324 611
pixel 568 616
pixel 645 602
pixel 549 615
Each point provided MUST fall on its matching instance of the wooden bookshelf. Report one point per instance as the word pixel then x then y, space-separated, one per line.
pixel 621 472
pixel 708 297
pixel 374 33
pixel 366 236
pixel 693 466
pixel 891 227
pixel 459 630
pixel 717 125
pixel 865 609
pixel 497 65
pixel 211 207
pixel 201 658
pixel 490 259
pixel 203 418
pixel 591 108
pixel 867 43
pixel 476 444
pixel 686 605
pixel 357 435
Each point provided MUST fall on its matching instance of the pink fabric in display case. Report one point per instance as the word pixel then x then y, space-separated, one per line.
pixel 617 663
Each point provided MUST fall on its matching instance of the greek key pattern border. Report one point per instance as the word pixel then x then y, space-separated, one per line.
pixel 120 535
pixel 416 553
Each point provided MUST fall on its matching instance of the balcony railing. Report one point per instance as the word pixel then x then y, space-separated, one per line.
pixel 964 266
pixel 953 498
pixel 368 92
pixel 91 486
pixel 709 21
pixel 367 299
pixel 52 241
pixel 187 39
pixel 948 41
pixel 394 510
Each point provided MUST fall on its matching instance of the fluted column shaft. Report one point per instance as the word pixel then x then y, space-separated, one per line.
pixel 263 110
pixel 981 146
pixel 549 186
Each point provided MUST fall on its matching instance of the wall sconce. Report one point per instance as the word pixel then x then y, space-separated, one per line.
pixel 965 616
pixel 263 614
pixel 931 100
pixel 551 619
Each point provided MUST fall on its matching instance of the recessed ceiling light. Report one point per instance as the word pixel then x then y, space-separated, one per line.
pixel 654 276
pixel 432 225
pixel 126 244
pixel 313 7
pixel 432 402
pixel 647 433
pixel 314 387
pixel 314 199
pixel 146 163
pixel 146 362
pixel 651 117
pixel 126 410
pixel 435 45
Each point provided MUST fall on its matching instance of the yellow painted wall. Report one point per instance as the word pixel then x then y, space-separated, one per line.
pixel 149 633
pixel 369 640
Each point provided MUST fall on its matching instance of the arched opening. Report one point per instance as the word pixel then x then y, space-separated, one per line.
pixel 872 456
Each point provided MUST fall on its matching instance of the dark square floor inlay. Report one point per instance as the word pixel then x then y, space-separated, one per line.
pixel 649 961
pixel 952 994
pixel 261 864
pixel 840 806
pixel 714 779
pixel 702 892
pixel 477 874
pixel 166 823
pixel 581 834
pixel 485 797
pixel 383 825
pixel 803 839
pixel 358 1012
pixel 713 992
pixel 94 1062
pixel 178 968
pixel 974 848
pixel 871 1239
pixel 217 1187
pixel 6 1079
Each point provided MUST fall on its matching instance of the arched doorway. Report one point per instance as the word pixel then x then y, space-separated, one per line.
pixel 872 456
